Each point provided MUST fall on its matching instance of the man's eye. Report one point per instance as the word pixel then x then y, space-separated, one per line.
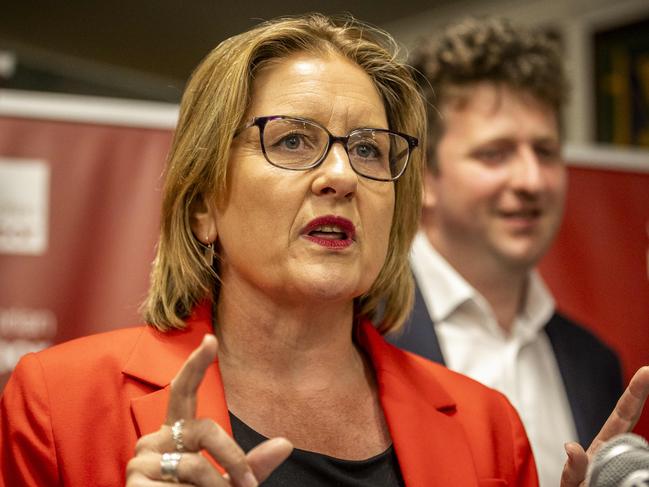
pixel 547 153
pixel 491 156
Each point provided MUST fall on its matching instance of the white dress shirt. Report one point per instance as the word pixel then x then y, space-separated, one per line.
pixel 520 364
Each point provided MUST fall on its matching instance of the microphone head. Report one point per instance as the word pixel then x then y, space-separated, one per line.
pixel 621 461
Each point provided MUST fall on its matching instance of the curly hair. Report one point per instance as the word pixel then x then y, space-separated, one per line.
pixel 212 110
pixel 490 50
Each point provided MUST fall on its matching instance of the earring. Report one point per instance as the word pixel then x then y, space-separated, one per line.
pixel 209 253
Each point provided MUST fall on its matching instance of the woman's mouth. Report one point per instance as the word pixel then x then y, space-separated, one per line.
pixel 332 232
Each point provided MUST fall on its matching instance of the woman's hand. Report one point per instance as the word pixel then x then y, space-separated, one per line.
pixel 145 469
pixel 622 420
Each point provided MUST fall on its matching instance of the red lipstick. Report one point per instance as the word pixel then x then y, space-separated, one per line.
pixel 332 232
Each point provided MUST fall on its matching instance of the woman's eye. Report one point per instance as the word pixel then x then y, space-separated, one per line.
pixel 366 151
pixel 292 141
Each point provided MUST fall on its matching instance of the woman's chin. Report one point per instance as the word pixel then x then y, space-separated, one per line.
pixel 331 288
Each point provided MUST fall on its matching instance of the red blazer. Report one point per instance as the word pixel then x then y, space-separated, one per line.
pixel 71 415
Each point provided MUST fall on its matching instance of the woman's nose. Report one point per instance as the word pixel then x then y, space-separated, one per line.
pixel 335 175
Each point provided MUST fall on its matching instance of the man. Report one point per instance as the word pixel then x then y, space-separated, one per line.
pixel 494 197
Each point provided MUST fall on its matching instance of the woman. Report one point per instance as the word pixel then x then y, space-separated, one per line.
pixel 291 198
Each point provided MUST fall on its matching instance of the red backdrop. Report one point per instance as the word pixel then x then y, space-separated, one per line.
pixel 597 267
pixel 104 182
pixel 103 223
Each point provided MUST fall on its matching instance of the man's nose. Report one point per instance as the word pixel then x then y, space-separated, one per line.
pixel 526 174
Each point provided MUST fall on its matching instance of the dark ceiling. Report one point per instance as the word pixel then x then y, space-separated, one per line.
pixel 163 37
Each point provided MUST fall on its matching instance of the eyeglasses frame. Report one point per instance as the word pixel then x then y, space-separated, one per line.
pixel 260 123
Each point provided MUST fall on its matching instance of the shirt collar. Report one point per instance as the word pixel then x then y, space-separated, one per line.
pixel 445 291
pixel 442 287
pixel 538 308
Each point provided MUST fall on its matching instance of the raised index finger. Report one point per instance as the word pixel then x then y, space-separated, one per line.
pixel 627 410
pixel 182 399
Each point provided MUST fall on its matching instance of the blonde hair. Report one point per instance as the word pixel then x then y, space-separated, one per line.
pixel 212 109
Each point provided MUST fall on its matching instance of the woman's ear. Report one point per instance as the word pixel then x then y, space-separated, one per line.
pixel 430 196
pixel 203 219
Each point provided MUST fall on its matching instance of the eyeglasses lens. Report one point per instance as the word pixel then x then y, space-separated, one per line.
pixel 299 144
pixel 294 144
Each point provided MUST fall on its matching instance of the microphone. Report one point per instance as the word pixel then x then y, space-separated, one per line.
pixel 623 461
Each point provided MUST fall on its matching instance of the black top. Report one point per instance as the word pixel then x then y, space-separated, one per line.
pixel 317 470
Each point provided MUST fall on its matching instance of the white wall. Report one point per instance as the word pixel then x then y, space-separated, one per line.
pixel 576 20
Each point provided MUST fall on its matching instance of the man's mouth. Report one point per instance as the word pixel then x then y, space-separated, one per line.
pixel 527 214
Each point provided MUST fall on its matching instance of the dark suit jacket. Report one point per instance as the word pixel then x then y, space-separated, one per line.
pixel 590 370
pixel 71 415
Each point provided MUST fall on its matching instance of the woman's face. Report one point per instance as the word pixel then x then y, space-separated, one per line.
pixel 317 234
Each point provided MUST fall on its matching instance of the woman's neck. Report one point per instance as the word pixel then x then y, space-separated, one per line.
pixel 264 335
pixel 299 361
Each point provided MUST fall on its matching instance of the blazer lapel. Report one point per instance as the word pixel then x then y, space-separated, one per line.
pixel 157 358
pixel 417 409
pixel 419 413
pixel 577 379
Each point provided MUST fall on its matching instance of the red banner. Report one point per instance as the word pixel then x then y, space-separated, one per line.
pixel 79 205
pixel 79 212
pixel 598 267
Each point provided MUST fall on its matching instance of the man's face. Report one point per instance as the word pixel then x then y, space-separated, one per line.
pixel 498 196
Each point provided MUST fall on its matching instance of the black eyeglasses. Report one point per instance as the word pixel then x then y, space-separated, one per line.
pixel 298 144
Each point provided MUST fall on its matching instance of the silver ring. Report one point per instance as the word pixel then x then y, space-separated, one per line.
pixel 177 435
pixel 169 466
